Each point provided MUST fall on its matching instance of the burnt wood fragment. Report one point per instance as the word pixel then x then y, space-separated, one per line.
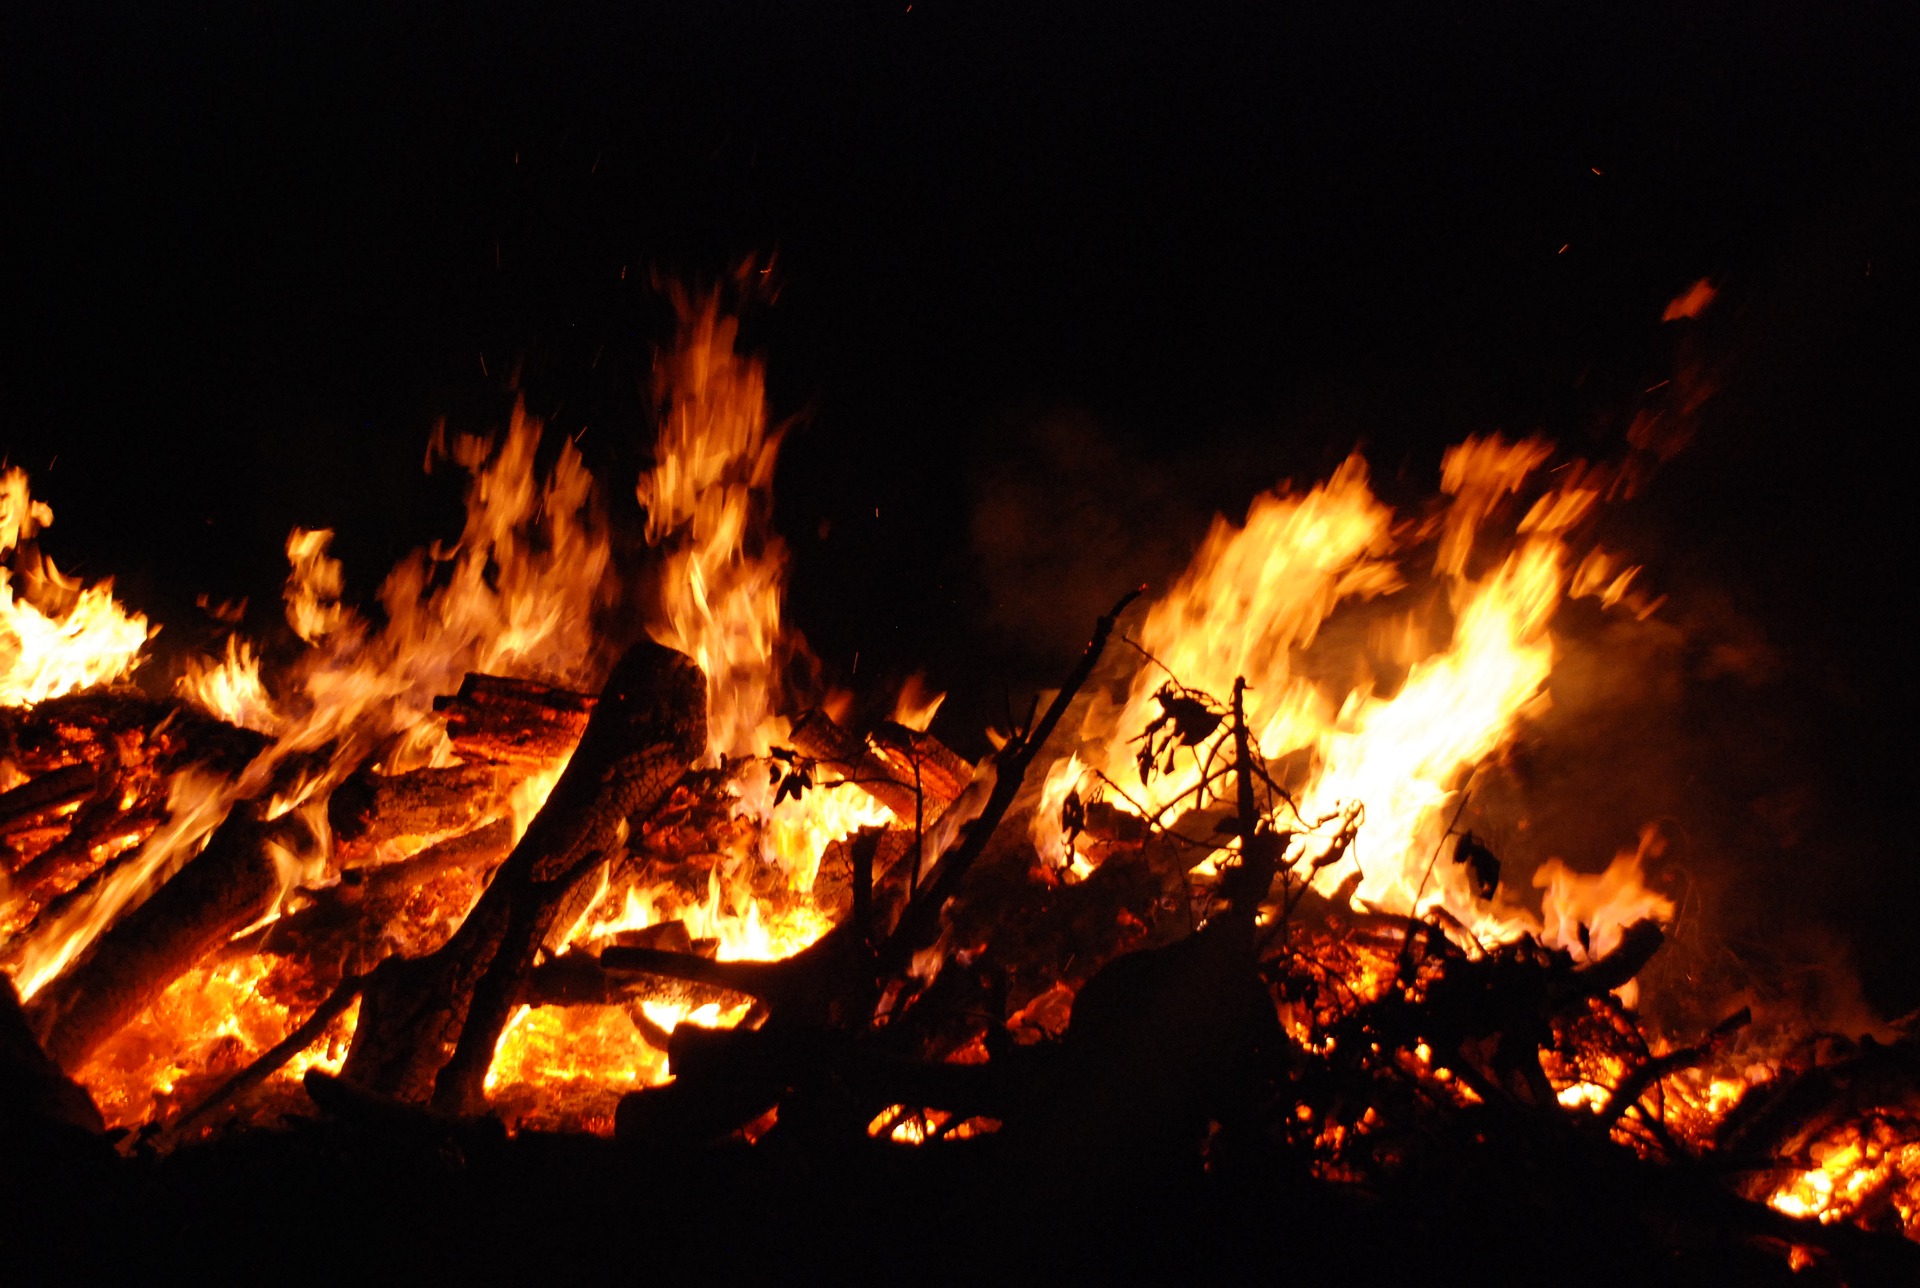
pixel 33 800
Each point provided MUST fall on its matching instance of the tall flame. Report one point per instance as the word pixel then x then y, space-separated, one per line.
pixel 1252 603
pixel 708 500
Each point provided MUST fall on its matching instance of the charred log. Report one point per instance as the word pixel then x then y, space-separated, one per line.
pixel 369 809
pixel 910 773
pixel 33 800
pixel 33 1089
pixel 514 722
pixel 228 885
pixel 430 1027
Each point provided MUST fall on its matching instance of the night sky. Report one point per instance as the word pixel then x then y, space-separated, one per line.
pixel 1078 274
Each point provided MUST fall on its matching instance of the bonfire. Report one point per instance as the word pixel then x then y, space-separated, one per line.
pixel 540 850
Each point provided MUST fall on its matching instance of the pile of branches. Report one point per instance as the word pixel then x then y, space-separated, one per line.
pixel 1102 1059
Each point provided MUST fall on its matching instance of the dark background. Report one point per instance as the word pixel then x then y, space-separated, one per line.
pixel 1056 281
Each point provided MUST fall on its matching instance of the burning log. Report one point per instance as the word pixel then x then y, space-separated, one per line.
pixel 832 985
pixel 83 726
pixel 370 809
pixel 581 979
pixel 341 927
pixel 430 1027
pixel 913 774
pixel 227 886
pixel 514 722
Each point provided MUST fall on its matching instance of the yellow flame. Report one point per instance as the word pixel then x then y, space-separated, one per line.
pixel 1252 602
pixel 197 802
pixel 231 688
pixel 57 635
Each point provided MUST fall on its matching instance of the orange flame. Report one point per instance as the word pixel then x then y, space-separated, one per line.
pixel 707 500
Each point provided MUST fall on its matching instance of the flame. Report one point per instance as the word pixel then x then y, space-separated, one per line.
pixel 1600 906
pixel 708 499
pixel 516 595
pixel 231 688
pixel 917 704
pixel 1384 767
pixel 56 635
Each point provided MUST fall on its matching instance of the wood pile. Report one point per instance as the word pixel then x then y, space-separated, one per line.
pixel 1074 1061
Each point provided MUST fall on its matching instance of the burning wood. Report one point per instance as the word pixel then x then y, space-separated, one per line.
pixel 1208 907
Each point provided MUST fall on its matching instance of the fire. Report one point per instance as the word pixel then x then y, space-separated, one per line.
pixel 1852 1171
pixel 707 500
pixel 57 635
pixel 517 594
pixel 1385 660
pixel 1385 766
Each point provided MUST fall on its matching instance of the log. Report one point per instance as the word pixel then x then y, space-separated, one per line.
pixel 340 929
pixel 912 756
pixel 65 872
pixel 580 979
pixel 514 722
pixel 429 1027
pixel 883 764
pixel 32 1086
pixel 228 885
pixel 370 809
pixel 482 849
pixel 102 817
pixel 397 1119
pixel 85 725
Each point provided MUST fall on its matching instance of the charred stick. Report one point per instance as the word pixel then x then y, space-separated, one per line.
pixel 1635 1084
pixel 863 849
pixel 430 1028
pixel 919 921
pixel 1636 948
